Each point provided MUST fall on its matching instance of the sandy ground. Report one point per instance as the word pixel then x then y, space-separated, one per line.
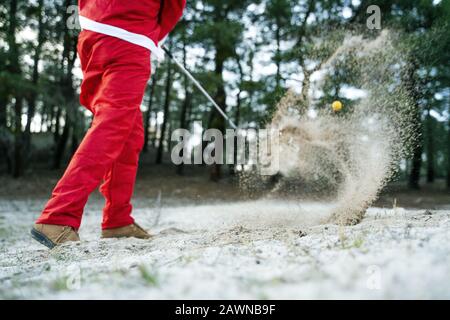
pixel 264 249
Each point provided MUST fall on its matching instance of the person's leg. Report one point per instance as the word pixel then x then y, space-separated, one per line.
pixel 118 184
pixel 97 151
pixel 116 106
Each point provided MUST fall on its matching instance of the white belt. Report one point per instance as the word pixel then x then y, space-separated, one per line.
pixel 123 34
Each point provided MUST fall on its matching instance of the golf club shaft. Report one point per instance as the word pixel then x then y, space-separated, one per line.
pixel 199 86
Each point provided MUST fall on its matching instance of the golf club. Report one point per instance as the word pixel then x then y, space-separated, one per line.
pixel 199 87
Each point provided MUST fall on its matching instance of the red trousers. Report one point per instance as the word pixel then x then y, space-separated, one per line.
pixel 115 74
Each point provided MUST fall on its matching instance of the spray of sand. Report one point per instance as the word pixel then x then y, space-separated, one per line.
pixel 345 158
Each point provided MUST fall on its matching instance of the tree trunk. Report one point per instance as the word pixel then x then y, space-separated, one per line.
pixel 74 141
pixel 160 151
pixel 149 111
pixel 57 127
pixel 4 145
pixel 157 128
pixel 67 62
pixel 278 55
pixel 34 80
pixel 184 124
pixel 217 120
pixel 448 156
pixel 169 130
pixel 412 86
pixel 14 68
pixel 237 115
pixel 27 132
pixel 61 144
pixel 18 160
pixel 414 176
pixel 430 149
pixel 3 103
pixel 186 103
pixel 448 141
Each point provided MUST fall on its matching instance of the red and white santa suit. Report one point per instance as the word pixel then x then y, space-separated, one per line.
pixel 114 47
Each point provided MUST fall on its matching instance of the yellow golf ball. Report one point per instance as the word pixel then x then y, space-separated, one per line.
pixel 337 106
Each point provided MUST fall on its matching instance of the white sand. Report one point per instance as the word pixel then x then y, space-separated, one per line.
pixel 262 249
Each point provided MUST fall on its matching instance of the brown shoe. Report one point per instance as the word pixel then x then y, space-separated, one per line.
pixel 132 230
pixel 52 235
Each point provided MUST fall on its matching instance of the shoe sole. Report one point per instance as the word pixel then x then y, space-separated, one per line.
pixel 125 237
pixel 42 239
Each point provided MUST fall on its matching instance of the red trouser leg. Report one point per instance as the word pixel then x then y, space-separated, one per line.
pixel 118 184
pixel 115 75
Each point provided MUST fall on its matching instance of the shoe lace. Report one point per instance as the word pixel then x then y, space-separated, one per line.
pixel 139 227
pixel 63 235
